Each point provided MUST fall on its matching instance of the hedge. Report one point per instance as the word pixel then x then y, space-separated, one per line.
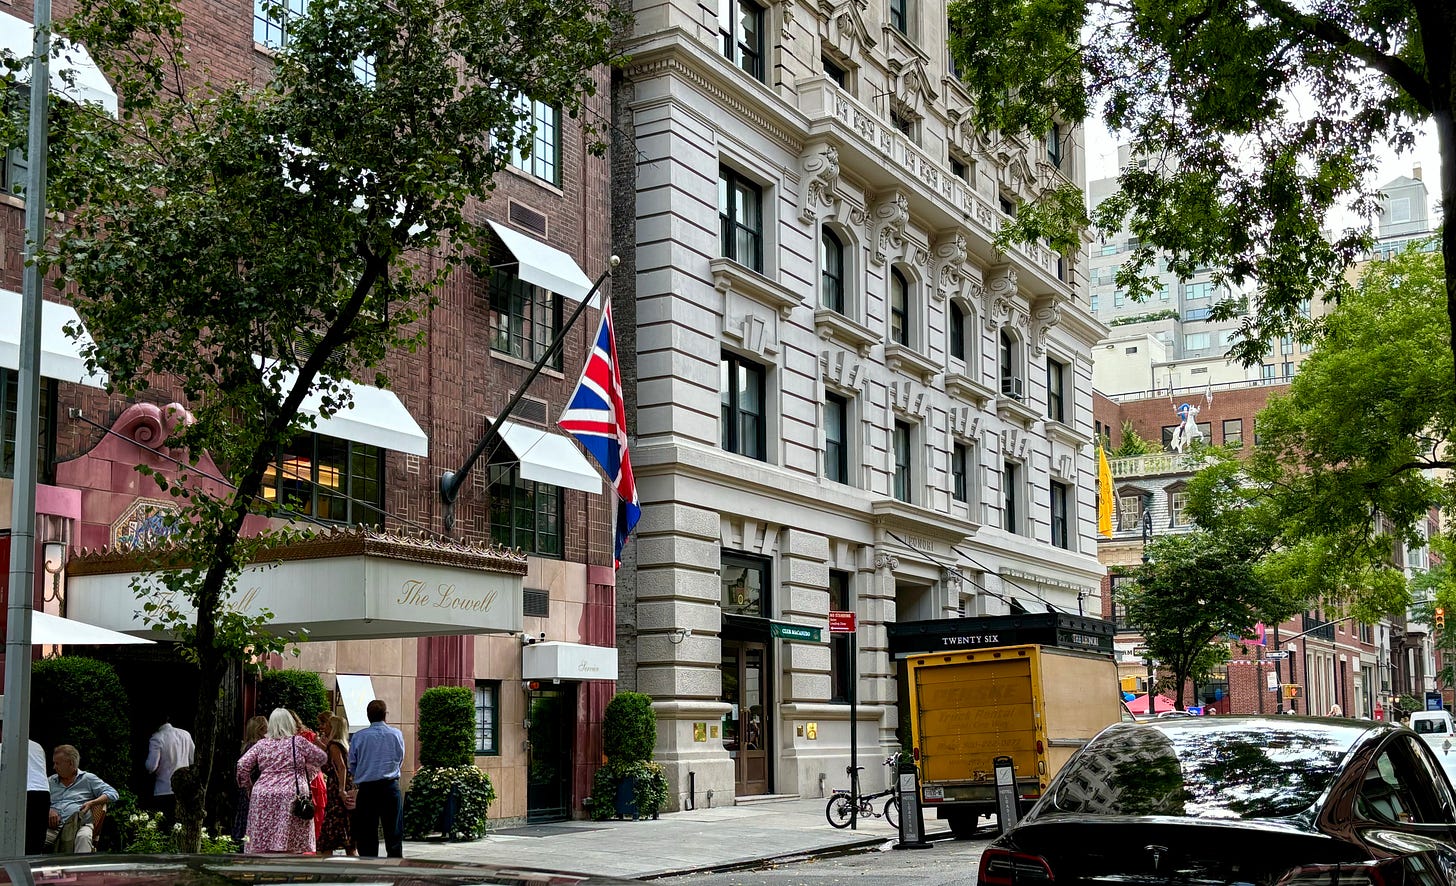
pixel 629 729
pixel 80 701
pixel 299 691
pixel 447 727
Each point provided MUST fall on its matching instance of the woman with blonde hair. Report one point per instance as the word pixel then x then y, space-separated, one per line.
pixel 286 762
pixel 253 731
pixel 338 832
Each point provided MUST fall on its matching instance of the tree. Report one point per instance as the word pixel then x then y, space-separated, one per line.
pixel 1255 117
pixel 251 244
pixel 1132 445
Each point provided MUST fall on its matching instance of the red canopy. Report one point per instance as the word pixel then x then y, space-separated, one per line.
pixel 1161 703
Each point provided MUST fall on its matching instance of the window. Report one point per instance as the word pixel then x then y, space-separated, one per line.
pixel 899 307
pixel 1233 431
pixel 1108 249
pixel 1197 313
pixel 1118 298
pixel 1008 207
pixel 960 461
pixel 1061 500
pixel 1288 369
pixel 958 348
pixel 1193 291
pixel 1266 371
pixel 901 445
pixel 959 170
pixel 831 274
pixel 742 385
pixel 1400 209
pixel 487 717
pixel 1177 504
pixel 1194 341
pixel 836 438
pixel 1286 344
pixel 839 601
pixel 1205 429
pixel 833 71
pixel 1011 497
pixel 740 24
pixel 10 413
pixel 1056 387
pixel 745 581
pixel 13 166
pixel 334 480
pixel 1163 292
pixel 1129 510
pixel 900 15
pixel 1008 362
pixel 740 213
pixel 1094 303
pixel 1054 146
pixel 539 124
pixel 527 317
pixel 272 31
pixel 523 513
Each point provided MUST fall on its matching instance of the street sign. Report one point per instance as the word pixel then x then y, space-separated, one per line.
pixel 841 622
pixel 1433 701
pixel 1276 656
pixel 784 631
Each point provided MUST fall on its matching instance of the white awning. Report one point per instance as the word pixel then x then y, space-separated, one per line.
pixel 376 417
pixel 549 458
pixel 71 63
pixel 52 630
pixel 543 265
pixel 554 660
pixel 60 358
pixel 355 691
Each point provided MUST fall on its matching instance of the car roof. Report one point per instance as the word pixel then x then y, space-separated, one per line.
pixel 1337 730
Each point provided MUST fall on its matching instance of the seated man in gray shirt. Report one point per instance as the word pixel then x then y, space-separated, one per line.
pixel 76 797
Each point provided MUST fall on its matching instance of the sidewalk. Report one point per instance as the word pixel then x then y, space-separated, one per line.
pixel 678 842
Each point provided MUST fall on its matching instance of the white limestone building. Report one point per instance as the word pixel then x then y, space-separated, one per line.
pixel 845 397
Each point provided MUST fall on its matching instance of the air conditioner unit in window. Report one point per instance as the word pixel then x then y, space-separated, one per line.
pixel 1011 387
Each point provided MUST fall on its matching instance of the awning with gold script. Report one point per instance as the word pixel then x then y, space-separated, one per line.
pixel 343 586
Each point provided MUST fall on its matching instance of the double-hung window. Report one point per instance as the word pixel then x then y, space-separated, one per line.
pixel 836 438
pixel 337 481
pixel 899 307
pixel 487 717
pixel 901 444
pixel 10 413
pixel 1056 391
pixel 1011 497
pixel 960 464
pixel 742 388
pixel 741 29
pixel 539 125
pixel 271 30
pixel 1061 501
pixel 957 331
pixel 527 317
pixel 525 514
pixel 900 15
pixel 831 271
pixel 740 216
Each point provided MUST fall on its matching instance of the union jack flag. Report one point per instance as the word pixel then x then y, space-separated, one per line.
pixel 596 416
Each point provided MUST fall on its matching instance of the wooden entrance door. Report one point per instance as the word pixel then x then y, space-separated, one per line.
pixel 746 725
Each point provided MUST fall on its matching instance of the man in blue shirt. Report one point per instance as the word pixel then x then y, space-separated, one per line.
pixel 78 802
pixel 375 755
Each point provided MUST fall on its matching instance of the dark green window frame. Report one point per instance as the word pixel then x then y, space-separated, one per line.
pixel 527 318
pixel 487 718
pixel 45 463
pixel 525 514
pixel 329 479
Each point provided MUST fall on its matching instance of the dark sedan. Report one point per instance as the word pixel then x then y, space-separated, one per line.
pixel 1238 800
pixel 246 870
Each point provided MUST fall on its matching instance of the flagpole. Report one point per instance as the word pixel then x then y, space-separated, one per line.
pixel 451 481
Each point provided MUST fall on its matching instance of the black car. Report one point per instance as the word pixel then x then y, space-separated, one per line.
pixel 1238 800
pixel 236 870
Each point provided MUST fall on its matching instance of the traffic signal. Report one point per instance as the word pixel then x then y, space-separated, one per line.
pixel 1440 618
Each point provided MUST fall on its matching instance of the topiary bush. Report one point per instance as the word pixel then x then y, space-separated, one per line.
pixel 430 797
pixel 447 727
pixel 299 691
pixel 629 728
pixel 80 701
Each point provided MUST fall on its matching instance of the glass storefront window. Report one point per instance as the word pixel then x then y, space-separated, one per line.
pixel 745 584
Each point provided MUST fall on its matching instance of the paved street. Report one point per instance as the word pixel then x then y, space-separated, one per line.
pixel 946 863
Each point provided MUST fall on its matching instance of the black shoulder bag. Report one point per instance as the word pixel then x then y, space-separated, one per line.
pixel 302 805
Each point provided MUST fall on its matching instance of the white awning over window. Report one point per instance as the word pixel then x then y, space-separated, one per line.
pixel 60 358
pixel 376 417
pixel 73 62
pixel 543 265
pixel 552 660
pixel 549 458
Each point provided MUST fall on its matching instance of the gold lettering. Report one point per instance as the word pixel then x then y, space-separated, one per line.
pixel 450 599
pixel 412 593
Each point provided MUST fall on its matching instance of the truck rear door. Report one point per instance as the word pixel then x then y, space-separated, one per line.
pixel 969 712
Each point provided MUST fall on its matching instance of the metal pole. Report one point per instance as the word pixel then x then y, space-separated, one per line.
pixel 14 758
pixel 1278 677
pixel 854 728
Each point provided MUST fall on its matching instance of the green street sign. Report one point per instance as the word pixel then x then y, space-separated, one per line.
pixel 802 633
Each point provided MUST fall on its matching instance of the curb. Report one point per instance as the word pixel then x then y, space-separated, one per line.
pixel 864 845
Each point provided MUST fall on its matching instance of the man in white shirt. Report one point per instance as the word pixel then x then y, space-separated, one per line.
pixel 168 750
pixel 37 798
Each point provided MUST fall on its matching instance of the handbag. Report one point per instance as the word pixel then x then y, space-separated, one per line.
pixel 302 805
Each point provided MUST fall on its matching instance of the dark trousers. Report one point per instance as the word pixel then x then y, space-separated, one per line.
pixel 37 819
pixel 165 804
pixel 379 805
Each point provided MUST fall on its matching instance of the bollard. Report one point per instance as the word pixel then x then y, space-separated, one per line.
pixel 912 815
pixel 1007 812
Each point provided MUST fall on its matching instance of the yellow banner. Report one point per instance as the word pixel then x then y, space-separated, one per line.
pixel 1104 494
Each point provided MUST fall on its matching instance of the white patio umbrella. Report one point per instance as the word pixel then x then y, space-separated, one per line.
pixel 51 630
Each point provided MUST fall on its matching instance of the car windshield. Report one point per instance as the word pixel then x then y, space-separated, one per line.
pixel 1238 770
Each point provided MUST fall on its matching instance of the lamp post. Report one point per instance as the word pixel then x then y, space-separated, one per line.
pixel 1147 527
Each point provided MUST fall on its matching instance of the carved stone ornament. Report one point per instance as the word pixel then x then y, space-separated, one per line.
pixel 887 561
pixel 953 581
pixel 820 172
pixel 965 422
pixel 950 257
pixel 999 296
pixel 886 226
pixel 912 85
pixel 909 398
pixel 1046 313
pixel 842 26
pixel 842 370
pixel 1014 443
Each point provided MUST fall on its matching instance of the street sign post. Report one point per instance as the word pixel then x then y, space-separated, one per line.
pixel 802 633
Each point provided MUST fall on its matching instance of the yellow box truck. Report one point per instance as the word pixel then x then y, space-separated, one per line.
pixel 1031 687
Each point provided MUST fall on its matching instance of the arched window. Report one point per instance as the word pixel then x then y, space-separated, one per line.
pixel 899 307
pixel 1009 364
pixel 831 275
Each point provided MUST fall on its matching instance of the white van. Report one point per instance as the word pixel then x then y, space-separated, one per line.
pixel 1438 731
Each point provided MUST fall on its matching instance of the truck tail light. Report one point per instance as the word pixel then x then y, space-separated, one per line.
pixel 1040 748
pixel 1364 873
pixel 1002 867
pixel 915 753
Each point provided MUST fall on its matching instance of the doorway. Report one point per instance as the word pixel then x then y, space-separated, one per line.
pixel 550 731
pixel 746 725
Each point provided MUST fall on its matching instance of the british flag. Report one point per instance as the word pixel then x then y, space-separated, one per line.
pixel 596 416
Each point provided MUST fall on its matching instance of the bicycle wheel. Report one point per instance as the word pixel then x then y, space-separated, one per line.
pixel 892 811
pixel 839 810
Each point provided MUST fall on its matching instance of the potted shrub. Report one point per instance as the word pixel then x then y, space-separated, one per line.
pixel 629 784
pixel 449 795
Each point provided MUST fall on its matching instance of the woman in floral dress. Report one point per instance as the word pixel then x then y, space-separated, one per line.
pixel 286 763
pixel 338 832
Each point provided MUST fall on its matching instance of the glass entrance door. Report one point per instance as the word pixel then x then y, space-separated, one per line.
pixel 550 730
pixel 746 725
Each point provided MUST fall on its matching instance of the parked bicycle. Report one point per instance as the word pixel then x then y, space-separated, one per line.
pixel 841 807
